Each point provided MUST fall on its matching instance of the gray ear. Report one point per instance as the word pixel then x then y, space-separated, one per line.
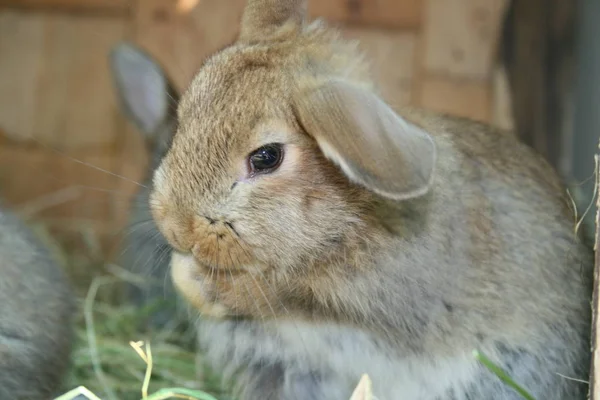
pixel 144 92
pixel 373 146
pixel 263 17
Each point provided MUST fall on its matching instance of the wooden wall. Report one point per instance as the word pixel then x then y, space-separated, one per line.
pixel 60 128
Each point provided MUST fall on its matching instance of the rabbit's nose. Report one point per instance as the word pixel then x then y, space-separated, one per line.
pixel 216 244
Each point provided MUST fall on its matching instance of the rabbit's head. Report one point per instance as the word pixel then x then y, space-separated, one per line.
pixel 282 149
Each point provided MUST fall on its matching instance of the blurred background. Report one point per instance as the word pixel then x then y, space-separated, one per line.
pixel 68 157
pixel 69 160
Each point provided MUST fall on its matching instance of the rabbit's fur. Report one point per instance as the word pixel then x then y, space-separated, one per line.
pixel 36 315
pixel 392 243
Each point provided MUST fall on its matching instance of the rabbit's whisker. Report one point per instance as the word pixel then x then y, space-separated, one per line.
pixel 89 165
pixel 263 294
pixel 232 280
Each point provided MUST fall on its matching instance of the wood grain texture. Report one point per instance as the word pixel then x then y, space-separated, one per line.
pixel 391 55
pixel 55 81
pixel 466 98
pixel 399 14
pixel 460 37
pixel 118 6
pixel 501 101
pixel 113 8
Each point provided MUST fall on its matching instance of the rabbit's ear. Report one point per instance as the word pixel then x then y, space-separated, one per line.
pixel 144 92
pixel 263 17
pixel 373 146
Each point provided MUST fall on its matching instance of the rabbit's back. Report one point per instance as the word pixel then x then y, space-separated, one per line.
pixel 514 278
pixel 36 309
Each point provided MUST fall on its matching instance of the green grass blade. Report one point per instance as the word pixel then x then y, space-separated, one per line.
pixel 499 372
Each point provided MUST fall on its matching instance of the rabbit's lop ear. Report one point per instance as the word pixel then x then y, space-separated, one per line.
pixel 261 18
pixel 373 146
pixel 142 87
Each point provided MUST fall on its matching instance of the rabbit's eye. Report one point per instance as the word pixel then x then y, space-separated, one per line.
pixel 266 159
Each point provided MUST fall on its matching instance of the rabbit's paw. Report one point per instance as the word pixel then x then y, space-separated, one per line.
pixel 201 291
pixel 220 292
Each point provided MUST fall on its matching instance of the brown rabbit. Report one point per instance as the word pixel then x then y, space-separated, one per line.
pixel 323 235
pixel 36 315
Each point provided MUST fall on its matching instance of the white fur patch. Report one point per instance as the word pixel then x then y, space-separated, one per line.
pixel 348 353
pixel 159 178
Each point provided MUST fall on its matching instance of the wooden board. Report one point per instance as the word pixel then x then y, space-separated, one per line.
pixel 54 78
pixel 399 14
pixel 104 6
pixel 471 99
pixel 501 101
pixel 391 56
pixel 460 37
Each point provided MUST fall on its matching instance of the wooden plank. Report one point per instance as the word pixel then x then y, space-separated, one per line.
pixel 399 14
pixel 471 99
pixel 501 101
pixel 460 37
pixel 21 50
pixel 391 56
pixel 54 75
pixel 104 6
pixel 418 71
pixel 182 40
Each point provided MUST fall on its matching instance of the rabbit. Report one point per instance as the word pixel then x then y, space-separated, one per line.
pixel 37 309
pixel 146 96
pixel 322 234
